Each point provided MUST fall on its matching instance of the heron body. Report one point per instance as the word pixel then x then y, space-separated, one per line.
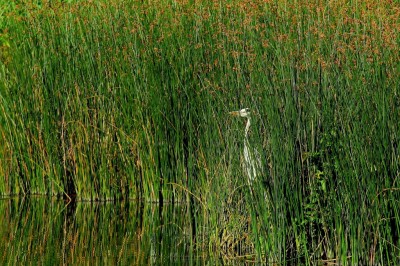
pixel 251 163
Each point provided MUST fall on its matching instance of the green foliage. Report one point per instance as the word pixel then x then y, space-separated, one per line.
pixel 125 99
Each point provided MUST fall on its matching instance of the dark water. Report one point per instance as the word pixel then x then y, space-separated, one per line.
pixel 49 232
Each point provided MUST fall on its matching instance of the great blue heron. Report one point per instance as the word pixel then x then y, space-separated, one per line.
pixel 252 162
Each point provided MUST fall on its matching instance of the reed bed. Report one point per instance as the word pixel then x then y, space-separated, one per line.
pixel 129 99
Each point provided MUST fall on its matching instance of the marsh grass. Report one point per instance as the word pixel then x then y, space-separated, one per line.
pixel 124 99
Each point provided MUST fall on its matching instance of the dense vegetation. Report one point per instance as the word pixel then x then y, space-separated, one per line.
pixel 107 100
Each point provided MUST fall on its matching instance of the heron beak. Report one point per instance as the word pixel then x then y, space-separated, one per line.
pixel 235 113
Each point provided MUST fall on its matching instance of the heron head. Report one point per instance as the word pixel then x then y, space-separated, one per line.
pixel 245 112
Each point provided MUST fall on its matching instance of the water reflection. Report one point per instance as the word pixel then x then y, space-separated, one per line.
pixel 41 231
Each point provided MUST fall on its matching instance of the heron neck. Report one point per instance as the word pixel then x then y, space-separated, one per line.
pixel 247 127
